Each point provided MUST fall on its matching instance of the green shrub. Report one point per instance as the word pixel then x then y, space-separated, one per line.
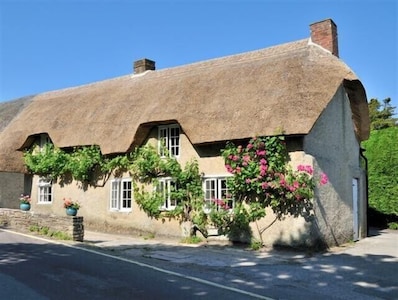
pixel 382 153
pixel 393 225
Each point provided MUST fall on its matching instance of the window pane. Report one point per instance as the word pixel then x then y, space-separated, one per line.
pixel 45 191
pixel 217 189
pixel 169 138
pixel 126 194
pixel 210 193
pixel 115 195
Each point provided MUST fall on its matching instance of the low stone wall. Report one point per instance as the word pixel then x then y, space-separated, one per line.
pixel 15 218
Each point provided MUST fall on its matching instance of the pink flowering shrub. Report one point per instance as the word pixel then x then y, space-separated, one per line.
pixel 263 178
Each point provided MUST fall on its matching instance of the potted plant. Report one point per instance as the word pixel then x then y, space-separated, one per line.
pixel 24 202
pixel 71 206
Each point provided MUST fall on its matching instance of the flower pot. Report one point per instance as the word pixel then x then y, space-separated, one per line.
pixel 70 211
pixel 24 206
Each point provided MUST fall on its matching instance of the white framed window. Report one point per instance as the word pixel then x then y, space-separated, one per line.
pixel 165 187
pixel 43 140
pixel 216 192
pixel 169 140
pixel 121 194
pixel 45 195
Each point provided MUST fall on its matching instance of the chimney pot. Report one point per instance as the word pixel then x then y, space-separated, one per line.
pixel 143 65
pixel 324 33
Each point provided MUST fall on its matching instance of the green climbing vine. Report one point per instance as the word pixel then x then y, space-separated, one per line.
pixel 185 188
pixel 81 163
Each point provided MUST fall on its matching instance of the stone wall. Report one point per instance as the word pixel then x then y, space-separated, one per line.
pixel 23 220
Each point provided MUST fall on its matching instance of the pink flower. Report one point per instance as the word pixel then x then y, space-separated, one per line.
pixel 263 170
pixel 249 146
pixel 263 161
pixel 305 168
pixel 248 181
pixel 324 179
pixel 246 158
pixel 260 152
pixel 264 185
pixel 221 203
pixel 229 168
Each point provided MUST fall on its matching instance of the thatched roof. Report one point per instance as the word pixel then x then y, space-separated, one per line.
pixel 285 87
pixel 10 160
pixel 9 110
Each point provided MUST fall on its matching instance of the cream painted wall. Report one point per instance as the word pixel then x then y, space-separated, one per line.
pixel 334 144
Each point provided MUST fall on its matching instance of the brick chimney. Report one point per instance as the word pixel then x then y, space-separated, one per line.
pixel 324 33
pixel 143 65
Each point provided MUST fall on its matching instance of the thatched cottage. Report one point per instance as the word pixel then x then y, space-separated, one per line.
pixel 301 87
pixel 13 182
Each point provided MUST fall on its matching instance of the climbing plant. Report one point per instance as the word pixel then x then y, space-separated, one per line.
pixel 263 178
pixel 80 163
pixel 186 188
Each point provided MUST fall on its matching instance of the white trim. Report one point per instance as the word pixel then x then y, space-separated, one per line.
pixel 116 195
pixel 218 190
pixel 44 191
pixel 168 137
pixel 167 204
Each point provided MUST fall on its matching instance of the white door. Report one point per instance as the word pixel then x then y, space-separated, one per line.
pixel 355 211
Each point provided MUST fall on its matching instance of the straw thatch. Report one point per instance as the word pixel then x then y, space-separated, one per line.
pixel 9 110
pixel 256 93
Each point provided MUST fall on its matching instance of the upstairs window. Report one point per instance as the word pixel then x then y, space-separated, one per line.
pixel 166 186
pixel 121 194
pixel 169 140
pixel 45 191
pixel 216 193
pixel 43 140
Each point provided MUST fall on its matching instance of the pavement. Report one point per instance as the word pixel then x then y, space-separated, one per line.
pixel 365 270
pixel 213 253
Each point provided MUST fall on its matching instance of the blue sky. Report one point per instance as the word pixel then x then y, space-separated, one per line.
pixel 55 44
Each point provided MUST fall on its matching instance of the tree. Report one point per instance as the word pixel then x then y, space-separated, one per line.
pixel 381 115
pixel 382 153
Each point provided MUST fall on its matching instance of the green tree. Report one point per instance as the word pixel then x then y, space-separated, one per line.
pixel 382 153
pixel 381 114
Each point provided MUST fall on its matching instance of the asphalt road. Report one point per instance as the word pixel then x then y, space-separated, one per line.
pixel 36 269
pixel 122 267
